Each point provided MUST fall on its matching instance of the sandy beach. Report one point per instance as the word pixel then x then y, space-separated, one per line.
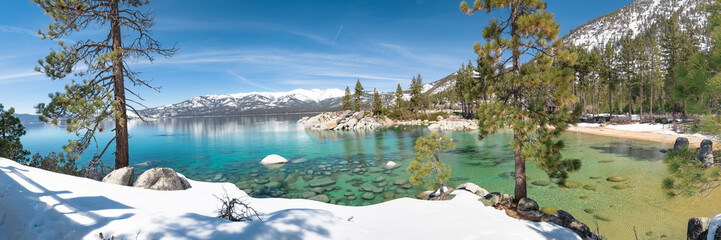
pixel 666 139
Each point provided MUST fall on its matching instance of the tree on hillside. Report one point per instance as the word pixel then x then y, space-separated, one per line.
pixel 400 103
pixel 417 100
pixel 357 96
pixel 608 72
pixel 677 46
pixel 533 101
pixel 465 87
pixel 627 69
pixel 347 102
pixel 100 66
pixel 377 103
pixel 10 132
pixel 427 163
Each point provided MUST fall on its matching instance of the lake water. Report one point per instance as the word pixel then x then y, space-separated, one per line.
pixel 348 166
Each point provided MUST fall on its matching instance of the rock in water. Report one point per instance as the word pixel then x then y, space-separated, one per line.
pixel 681 142
pixel 697 228
pixel 617 179
pixel 705 153
pixel 164 179
pixel 527 205
pixel 123 176
pixel 273 159
pixel 391 165
pixel 322 183
pixel 473 188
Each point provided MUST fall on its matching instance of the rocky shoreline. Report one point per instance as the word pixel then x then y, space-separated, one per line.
pixel 361 121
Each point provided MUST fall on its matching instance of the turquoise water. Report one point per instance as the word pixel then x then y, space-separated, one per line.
pixel 347 167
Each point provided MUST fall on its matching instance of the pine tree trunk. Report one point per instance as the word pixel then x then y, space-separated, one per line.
pixel 610 101
pixel 628 94
pixel 651 108
pixel 520 191
pixel 121 123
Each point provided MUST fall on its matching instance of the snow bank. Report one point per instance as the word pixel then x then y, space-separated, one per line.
pixel 37 204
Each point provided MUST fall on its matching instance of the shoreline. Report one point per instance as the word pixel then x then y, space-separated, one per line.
pixel 666 139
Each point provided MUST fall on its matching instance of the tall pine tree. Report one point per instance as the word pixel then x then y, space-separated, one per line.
pixel 416 93
pixel 399 98
pixel 100 66
pixel 532 100
pixel 347 102
pixel 377 103
pixel 357 102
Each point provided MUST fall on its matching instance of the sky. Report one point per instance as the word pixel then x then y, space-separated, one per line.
pixel 233 46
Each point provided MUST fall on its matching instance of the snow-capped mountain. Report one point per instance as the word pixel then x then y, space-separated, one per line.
pixel 299 100
pixel 637 17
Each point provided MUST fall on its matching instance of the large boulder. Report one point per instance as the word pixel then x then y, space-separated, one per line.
pixel 681 142
pixel 122 176
pixel 527 205
pixel 273 159
pixel 705 153
pixel 163 179
pixel 697 228
pixel 473 188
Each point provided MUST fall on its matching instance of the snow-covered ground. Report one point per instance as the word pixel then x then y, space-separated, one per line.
pixel 37 204
pixel 645 127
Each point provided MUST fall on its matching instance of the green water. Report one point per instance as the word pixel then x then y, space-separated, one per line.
pixel 230 149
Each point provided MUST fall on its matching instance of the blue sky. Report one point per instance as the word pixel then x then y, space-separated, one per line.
pixel 242 46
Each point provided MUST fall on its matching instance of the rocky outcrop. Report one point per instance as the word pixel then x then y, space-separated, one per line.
pixel 705 153
pixel 450 125
pixel 344 121
pixel 273 159
pixel 163 179
pixel 122 176
pixel 681 142
pixel 473 188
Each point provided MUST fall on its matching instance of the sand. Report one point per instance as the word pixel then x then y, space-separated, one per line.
pixel 665 139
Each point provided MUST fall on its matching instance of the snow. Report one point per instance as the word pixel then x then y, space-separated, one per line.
pixel 315 95
pixel 37 204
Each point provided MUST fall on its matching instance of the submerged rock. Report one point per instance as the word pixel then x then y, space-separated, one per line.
pixel 589 187
pixel 164 179
pixel 572 184
pixel 322 183
pixel 121 176
pixel 617 179
pixel 321 198
pixel 541 183
pixel 549 210
pixel 368 196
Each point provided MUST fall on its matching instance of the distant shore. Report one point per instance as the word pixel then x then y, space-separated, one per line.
pixel 666 139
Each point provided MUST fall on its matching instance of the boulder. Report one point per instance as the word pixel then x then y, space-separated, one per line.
pixel 705 153
pixel 697 228
pixel 681 142
pixel 122 176
pixel 164 179
pixel 322 183
pixel 527 205
pixel 473 188
pixel 273 159
pixel 617 179
pixel 321 198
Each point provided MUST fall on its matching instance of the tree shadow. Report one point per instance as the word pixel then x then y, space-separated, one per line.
pixel 557 233
pixel 76 213
pixel 290 224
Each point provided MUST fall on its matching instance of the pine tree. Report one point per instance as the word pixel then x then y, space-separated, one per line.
pixel 10 132
pixel 626 68
pixel 531 100
pixel 655 70
pixel 102 67
pixel 357 96
pixel 608 73
pixel 417 93
pixel 377 103
pixel 427 163
pixel 347 102
pixel 399 98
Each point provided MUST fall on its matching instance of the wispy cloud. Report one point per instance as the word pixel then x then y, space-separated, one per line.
pixel 11 29
pixel 246 81
pixel 18 77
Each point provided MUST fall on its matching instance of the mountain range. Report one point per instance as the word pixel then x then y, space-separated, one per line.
pixel 634 19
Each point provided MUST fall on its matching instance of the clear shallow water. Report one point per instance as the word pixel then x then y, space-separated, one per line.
pixel 344 165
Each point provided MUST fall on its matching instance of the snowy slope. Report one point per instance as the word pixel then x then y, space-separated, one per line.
pixel 633 17
pixel 299 100
pixel 37 204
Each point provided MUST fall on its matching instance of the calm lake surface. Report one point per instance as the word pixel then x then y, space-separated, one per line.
pixel 348 167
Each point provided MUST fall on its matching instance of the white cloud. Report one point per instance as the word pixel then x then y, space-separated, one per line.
pixel 246 81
